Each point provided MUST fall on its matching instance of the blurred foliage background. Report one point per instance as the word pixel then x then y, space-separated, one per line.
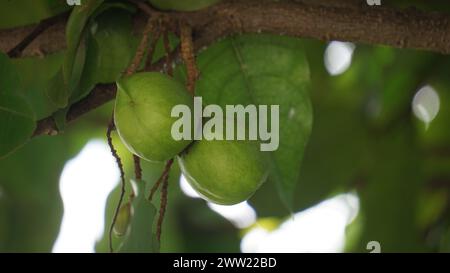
pixel 365 139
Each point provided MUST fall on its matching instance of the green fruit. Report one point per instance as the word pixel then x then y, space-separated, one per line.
pixel 224 172
pixel 142 114
pixel 123 220
pixel 182 5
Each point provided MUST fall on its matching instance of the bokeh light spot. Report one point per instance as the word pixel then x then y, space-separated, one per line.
pixel 338 57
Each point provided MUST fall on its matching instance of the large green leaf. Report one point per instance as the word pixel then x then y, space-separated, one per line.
pixel 35 74
pixel 17 119
pixel 115 44
pixel 74 31
pixel 14 13
pixel 69 76
pixel 111 45
pixel 264 70
pixel 140 237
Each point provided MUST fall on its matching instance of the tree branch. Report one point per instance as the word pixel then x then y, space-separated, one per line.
pixel 347 22
pixel 372 25
pixel 41 27
pixel 101 94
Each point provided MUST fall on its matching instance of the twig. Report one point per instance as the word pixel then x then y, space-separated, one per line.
pixel 145 7
pixel 162 208
pixel 188 55
pixel 163 176
pixel 111 127
pixel 407 28
pixel 101 94
pixel 137 60
pixel 155 37
pixel 142 48
pixel 166 42
pixel 16 51
pixel 135 63
pixel 163 201
pixel 137 167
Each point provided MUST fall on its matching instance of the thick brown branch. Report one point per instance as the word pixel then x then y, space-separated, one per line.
pixel 99 96
pixel 403 29
pixel 373 25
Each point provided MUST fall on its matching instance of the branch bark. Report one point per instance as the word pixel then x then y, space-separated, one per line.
pixel 409 28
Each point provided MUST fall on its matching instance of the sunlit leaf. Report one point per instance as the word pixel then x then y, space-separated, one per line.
pixel 75 57
pixel 74 31
pixel 264 70
pixel 111 45
pixel 140 237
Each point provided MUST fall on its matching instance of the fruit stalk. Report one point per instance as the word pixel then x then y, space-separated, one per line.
pixel 111 127
pixel 188 55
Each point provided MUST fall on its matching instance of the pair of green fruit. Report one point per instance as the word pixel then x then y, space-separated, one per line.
pixel 225 172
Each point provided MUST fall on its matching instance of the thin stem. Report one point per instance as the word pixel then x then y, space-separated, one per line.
pixel 144 7
pixel 169 67
pixel 136 62
pixel 188 55
pixel 163 202
pixel 137 167
pixel 154 40
pixel 163 176
pixel 142 48
pixel 111 127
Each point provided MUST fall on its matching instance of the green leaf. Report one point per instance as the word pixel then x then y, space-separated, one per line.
pixel 115 44
pixel 14 13
pixel 60 119
pixel 35 75
pixel 152 172
pixel 111 45
pixel 75 58
pixel 16 116
pixel 140 237
pixel 78 66
pixel 10 81
pixel 74 31
pixel 123 219
pixel 320 179
pixel 264 70
pixel 57 92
